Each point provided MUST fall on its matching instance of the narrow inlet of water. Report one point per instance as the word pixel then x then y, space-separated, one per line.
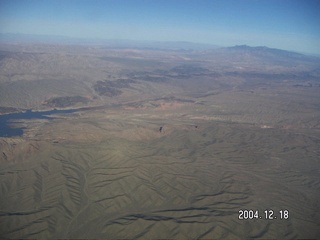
pixel 6 129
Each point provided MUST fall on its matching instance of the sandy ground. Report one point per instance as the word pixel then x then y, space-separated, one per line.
pixel 112 174
pixel 240 132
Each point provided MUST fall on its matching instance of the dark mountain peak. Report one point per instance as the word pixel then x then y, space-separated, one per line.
pixel 269 53
pixel 265 51
pixel 240 47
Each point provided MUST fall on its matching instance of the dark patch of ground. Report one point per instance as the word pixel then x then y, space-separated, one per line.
pixel 111 88
pixel 63 102
pixel 154 76
pixel 189 69
pixel 181 71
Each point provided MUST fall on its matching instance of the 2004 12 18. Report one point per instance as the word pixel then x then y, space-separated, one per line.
pixel 268 214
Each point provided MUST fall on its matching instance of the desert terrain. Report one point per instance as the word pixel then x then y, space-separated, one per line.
pixel 161 143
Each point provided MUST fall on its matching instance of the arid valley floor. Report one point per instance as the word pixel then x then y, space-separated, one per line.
pixel 240 130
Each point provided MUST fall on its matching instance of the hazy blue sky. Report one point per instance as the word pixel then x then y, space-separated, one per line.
pixel 292 25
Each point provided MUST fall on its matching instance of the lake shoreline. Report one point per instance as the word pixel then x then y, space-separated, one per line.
pixel 8 131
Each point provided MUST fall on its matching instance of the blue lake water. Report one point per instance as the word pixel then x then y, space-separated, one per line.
pixel 8 131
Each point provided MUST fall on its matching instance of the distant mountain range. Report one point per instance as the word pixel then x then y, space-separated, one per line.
pixel 112 43
pixel 265 50
pixel 161 45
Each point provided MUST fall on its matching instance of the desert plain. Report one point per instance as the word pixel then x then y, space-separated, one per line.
pixel 162 143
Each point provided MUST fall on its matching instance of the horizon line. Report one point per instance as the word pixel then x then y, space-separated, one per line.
pixel 98 41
